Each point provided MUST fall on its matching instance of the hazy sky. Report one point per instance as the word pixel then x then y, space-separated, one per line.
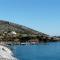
pixel 41 15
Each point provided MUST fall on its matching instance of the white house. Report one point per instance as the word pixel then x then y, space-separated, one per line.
pixel 13 32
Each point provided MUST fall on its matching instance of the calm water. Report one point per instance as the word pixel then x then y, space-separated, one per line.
pixel 44 51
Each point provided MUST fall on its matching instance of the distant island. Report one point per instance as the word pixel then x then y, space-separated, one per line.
pixel 19 34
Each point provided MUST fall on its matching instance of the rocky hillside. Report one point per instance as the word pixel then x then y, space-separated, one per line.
pixel 11 32
pixel 6 26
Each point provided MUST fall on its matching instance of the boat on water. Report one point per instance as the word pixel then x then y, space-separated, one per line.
pixel 25 43
pixel 6 53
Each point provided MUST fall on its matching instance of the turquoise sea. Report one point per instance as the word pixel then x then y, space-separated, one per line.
pixel 42 51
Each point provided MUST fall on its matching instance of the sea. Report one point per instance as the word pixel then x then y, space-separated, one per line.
pixel 42 51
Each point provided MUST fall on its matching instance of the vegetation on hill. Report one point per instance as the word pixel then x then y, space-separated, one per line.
pixel 12 32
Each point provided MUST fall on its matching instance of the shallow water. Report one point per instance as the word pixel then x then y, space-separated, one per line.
pixel 43 51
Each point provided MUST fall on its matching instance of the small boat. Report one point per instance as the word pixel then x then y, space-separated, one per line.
pixel 26 43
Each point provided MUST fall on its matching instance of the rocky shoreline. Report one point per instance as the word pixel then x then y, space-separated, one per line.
pixel 13 37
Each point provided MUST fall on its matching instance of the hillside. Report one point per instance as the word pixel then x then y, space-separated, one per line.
pixel 12 32
pixel 6 26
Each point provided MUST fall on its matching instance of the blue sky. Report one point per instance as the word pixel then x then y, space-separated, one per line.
pixel 41 15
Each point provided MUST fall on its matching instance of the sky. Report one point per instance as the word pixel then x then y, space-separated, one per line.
pixel 40 15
